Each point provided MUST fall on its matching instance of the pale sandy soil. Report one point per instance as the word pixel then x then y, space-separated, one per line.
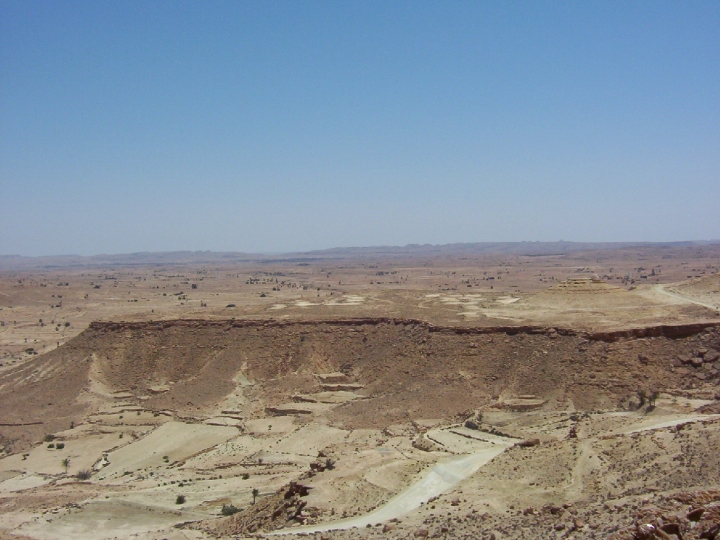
pixel 157 414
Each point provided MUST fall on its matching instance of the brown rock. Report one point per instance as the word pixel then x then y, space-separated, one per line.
pixel 421 533
pixel 696 514
pixel 696 361
pixel 672 528
pixel 645 532
pixel 387 527
pixel 528 442
pixel 711 356
pixel 712 532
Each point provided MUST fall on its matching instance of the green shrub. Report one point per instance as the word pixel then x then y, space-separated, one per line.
pixel 229 510
pixel 180 499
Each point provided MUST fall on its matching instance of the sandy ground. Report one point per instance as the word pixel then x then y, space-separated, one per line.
pixel 173 423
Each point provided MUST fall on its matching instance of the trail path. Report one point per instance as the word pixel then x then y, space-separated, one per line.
pixel 662 290
pixel 442 477
pixel 447 474
pixel 664 422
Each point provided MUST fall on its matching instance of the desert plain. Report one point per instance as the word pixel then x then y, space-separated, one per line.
pixel 506 391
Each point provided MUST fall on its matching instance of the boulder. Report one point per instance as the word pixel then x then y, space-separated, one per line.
pixel 696 361
pixel 528 443
pixel 712 532
pixel 645 532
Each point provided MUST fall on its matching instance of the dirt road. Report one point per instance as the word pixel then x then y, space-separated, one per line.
pixel 662 290
pixel 442 477
pixel 447 474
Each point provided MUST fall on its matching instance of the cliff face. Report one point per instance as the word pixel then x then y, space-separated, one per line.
pixel 407 368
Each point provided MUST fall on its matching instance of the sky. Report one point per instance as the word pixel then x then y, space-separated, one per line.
pixel 276 126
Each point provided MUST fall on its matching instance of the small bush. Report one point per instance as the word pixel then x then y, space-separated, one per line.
pixel 60 445
pixel 229 510
pixel 51 445
pixel 49 438
pixel 245 476
pixel 180 499
pixel 84 474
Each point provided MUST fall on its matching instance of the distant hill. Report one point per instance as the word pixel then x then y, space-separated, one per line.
pixel 19 262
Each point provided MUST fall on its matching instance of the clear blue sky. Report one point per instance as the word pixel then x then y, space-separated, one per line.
pixel 275 126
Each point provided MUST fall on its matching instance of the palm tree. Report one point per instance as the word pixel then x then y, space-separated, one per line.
pixel 66 463
pixel 255 493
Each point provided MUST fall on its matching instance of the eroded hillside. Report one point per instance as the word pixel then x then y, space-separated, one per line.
pixel 390 370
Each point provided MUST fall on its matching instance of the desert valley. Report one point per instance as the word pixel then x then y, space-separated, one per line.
pixel 470 391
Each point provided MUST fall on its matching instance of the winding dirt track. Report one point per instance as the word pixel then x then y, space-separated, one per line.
pixel 442 477
pixel 447 474
pixel 662 290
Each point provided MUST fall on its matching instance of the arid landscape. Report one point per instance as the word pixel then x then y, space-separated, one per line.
pixel 469 391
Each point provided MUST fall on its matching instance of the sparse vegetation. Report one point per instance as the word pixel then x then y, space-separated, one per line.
pixel 229 510
pixel 653 398
pixel 385 381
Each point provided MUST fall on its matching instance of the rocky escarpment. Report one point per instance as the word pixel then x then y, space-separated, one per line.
pixel 664 330
pixel 404 368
